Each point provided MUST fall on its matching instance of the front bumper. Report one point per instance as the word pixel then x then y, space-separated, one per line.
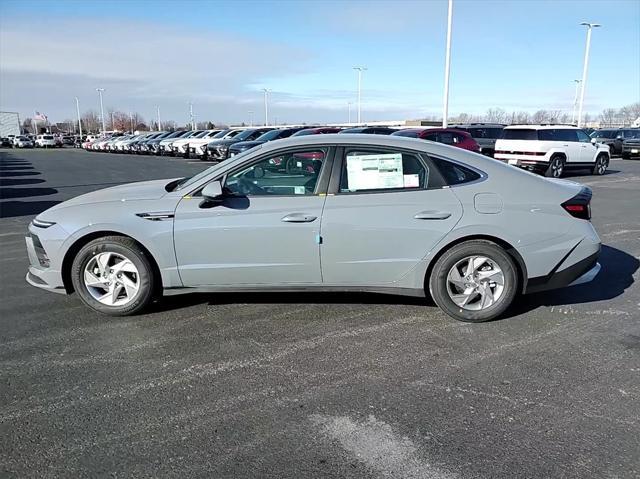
pixel 631 150
pixel 42 275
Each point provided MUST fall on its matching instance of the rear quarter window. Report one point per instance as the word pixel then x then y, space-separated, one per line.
pixel 454 173
pixel 520 134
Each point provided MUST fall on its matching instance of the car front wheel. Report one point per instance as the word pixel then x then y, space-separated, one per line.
pixel 113 276
pixel 474 281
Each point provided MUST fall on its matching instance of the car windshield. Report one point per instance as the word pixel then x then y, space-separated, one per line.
pixel 270 135
pixel 519 134
pixel 220 134
pixel 245 134
pixel 408 133
pixel 487 133
pixel 201 134
pixel 627 134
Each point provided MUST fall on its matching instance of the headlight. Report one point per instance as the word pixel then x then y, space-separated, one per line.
pixel 42 224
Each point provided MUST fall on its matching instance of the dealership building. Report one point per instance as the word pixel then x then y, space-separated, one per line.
pixel 9 124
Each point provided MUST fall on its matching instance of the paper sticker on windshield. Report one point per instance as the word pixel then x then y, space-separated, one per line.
pixel 376 171
pixel 299 190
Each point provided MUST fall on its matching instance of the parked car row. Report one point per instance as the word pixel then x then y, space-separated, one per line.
pixel 547 149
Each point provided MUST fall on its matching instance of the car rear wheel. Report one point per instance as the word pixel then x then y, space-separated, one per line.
pixel 474 281
pixel 602 162
pixel 556 167
pixel 113 276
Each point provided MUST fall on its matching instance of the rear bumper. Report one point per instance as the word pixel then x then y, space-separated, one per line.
pixel 578 273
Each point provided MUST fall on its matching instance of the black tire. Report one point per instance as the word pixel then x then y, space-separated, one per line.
pixel 602 162
pixel 444 264
pixel 556 167
pixel 130 249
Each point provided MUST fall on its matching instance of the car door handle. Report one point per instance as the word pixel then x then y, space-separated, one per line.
pixel 299 218
pixel 432 215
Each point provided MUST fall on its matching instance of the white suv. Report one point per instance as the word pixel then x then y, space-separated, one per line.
pixel 45 141
pixel 551 149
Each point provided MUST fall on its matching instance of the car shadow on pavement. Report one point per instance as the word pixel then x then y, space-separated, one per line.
pixel 613 279
pixel 9 209
pixel 192 299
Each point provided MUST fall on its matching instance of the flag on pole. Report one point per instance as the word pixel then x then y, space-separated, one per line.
pixel 40 116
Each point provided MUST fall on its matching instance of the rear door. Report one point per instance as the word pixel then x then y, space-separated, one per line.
pixel 386 209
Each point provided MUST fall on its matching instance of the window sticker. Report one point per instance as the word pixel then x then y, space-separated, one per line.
pixel 411 181
pixel 376 171
pixel 299 190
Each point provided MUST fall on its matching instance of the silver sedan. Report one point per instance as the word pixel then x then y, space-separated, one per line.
pixel 324 213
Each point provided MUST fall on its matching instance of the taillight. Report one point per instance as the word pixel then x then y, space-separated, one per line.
pixel 580 205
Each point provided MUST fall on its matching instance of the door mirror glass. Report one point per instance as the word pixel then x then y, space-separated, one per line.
pixel 213 190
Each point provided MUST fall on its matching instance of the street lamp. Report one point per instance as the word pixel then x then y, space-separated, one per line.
pixel 100 90
pixel 250 117
pixel 360 70
pixel 78 112
pixel 266 105
pixel 575 101
pixel 590 26
pixel 158 110
pixel 193 123
pixel 447 68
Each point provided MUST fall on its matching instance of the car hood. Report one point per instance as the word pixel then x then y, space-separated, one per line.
pixel 143 190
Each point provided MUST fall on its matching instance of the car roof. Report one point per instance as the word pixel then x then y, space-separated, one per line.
pixel 478 125
pixel 548 126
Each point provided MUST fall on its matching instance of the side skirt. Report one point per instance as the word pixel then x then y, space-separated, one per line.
pixel 418 293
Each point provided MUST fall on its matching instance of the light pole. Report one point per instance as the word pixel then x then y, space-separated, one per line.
pixel 158 110
pixel 250 117
pixel 266 106
pixel 193 123
pixel 349 110
pixel 100 90
pixel 575 101
pixel 78 112
pixel 113 126
pixel 360 70
pixel 590 26
pixel 447 68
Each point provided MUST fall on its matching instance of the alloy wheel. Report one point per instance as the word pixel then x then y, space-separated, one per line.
pixel 475 283
pixel 601 165
pixel 556 168
pixel 111 279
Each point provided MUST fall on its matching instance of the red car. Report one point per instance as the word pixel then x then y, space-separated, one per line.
pixel 448 136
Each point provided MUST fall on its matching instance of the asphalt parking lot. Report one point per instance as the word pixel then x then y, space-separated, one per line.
pixel 313 385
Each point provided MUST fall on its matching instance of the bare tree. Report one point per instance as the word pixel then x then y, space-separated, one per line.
pixel 91 122
pixel 608 117
pixel 496 115
pixel 630 113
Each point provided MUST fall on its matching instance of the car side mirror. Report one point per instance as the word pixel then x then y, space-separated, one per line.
pixel 593 140
pixel 619 137
pixel 213 191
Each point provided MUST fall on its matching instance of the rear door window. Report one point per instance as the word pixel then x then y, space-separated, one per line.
pixel 455 173
pixel 520 134
pixel 382 170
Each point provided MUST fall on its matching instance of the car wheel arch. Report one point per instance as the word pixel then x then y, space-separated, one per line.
pixel 521 267
pixel 79 243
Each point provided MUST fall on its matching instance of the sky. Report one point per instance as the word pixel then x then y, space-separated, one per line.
pixel 512 54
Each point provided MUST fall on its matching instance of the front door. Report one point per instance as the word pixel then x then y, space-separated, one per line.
pixel 264 232
pixel 384 218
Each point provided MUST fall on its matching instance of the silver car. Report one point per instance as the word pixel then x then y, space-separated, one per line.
pixel 384 214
